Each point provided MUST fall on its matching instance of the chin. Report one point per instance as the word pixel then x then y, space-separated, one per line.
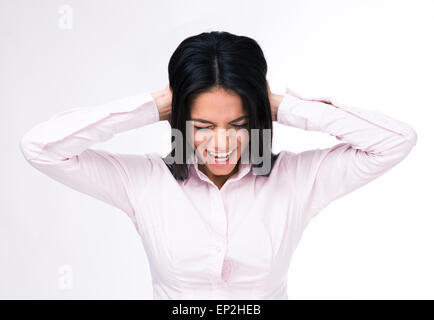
pixel 221 171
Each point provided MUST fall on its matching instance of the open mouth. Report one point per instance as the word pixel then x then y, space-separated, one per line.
pixel 221 158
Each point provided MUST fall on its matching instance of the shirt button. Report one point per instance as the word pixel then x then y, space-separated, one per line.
pixel 226 270
pixel 218 249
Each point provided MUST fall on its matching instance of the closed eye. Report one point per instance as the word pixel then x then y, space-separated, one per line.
pixel 235 125
pixel 240 125
pixel 202 128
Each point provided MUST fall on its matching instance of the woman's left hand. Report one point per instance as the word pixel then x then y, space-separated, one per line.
pixel 275 100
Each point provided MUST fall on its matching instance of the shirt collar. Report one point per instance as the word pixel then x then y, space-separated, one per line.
pixel 243 169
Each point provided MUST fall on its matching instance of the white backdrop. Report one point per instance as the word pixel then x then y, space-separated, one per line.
pixel 56 243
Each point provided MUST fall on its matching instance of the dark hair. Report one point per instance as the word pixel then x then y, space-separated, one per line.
pixel 219 59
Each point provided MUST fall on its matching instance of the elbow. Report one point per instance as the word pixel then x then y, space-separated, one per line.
pixel 412 137
pixel 410 142
pixel 396 152
pixel 25 148
pixel 29 148
pixel 39 153
pixel 403 149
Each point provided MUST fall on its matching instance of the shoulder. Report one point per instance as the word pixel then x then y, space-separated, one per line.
pixel 283 159
pixel 142 167
pixel 304 159
pixel 160 167
pixel 155 162
pixel 301 165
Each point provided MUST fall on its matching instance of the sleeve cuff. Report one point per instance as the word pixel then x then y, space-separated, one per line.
pixel 290 100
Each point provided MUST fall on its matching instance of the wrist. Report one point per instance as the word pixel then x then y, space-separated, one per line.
pixel 164 106
pixel 275 101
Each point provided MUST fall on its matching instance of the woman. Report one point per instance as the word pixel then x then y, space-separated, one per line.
pixel 215 226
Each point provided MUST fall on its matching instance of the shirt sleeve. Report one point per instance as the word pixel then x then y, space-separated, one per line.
pixel 372 143
pixel 60 148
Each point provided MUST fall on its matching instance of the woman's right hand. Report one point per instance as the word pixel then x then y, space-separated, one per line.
pixel 163 99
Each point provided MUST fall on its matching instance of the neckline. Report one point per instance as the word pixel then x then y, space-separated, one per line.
pixel 243 170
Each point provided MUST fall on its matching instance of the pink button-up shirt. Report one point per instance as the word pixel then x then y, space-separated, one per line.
pixel 206 243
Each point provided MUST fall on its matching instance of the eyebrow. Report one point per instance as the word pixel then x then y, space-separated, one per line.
pixel 206 121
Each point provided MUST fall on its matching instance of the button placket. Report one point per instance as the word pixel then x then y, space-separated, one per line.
pixel 219 214
pixel 226 270
pixel 219 217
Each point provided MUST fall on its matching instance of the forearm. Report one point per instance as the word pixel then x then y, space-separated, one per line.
pixel 71 132
pixel 367 130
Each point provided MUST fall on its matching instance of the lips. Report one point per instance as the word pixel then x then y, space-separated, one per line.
pixel 220 156
pixel 220 160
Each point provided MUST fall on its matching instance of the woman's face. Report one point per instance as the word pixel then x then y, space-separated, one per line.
pixel 220 127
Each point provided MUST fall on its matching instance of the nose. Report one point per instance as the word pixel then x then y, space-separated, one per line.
pixel 222 140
